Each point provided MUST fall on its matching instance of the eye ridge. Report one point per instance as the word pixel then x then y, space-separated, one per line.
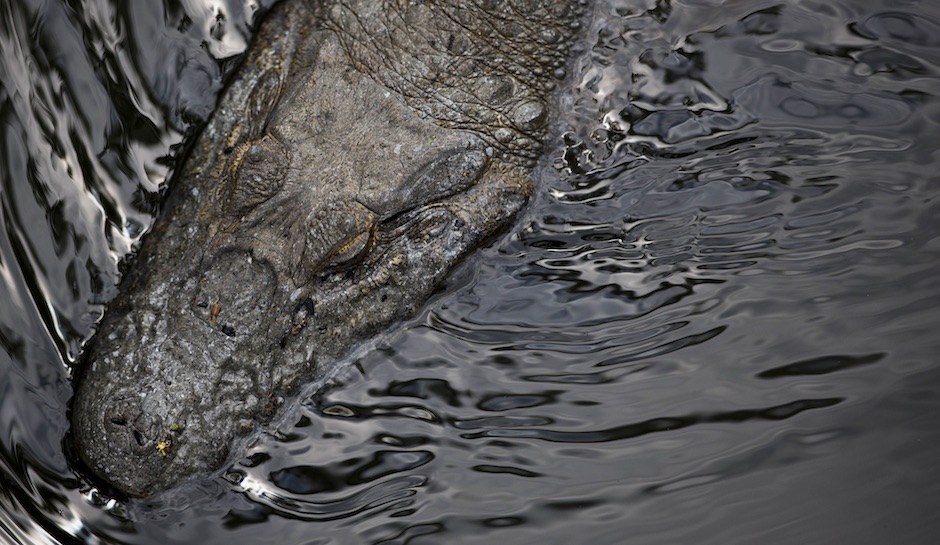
pixel 353 251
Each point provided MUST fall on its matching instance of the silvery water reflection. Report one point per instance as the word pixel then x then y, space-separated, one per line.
pixel 714 325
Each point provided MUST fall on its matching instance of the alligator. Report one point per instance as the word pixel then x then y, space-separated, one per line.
pixel 364 148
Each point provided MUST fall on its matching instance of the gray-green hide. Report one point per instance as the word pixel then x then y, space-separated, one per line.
pixel 361 152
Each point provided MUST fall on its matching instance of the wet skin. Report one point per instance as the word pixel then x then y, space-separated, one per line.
pixel 363 151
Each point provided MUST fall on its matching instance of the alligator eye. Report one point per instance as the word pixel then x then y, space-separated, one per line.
pixel 354 250
pixel 255 173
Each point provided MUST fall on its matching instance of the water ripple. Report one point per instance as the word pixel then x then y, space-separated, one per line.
pixel 718 315
pixel 656 425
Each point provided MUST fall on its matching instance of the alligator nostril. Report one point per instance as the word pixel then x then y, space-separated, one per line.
pixel 119 420
pixel 139 437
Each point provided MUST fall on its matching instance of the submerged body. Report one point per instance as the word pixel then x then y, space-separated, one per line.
pixel 361 153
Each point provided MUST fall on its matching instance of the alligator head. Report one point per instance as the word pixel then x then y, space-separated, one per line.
pixel 346 171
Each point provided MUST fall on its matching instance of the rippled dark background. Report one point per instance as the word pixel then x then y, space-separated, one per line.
pixel 715 324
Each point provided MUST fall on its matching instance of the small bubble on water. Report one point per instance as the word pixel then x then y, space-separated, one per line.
pixel 133 229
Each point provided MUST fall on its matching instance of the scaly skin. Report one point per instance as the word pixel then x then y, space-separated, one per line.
pixel 359 155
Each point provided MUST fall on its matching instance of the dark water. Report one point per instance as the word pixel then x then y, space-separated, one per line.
pixel 716 323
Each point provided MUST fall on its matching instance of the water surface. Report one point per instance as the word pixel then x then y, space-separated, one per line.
pixel 714 324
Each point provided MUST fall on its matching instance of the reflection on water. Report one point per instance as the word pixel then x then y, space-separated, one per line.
pixel 715 323
pixel 95 98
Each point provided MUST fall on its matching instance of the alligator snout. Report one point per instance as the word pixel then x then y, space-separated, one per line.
pixel 134 439
pixel 129 426
pixel 222 301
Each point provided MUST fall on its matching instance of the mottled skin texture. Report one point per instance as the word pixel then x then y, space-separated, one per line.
pixel 363 150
